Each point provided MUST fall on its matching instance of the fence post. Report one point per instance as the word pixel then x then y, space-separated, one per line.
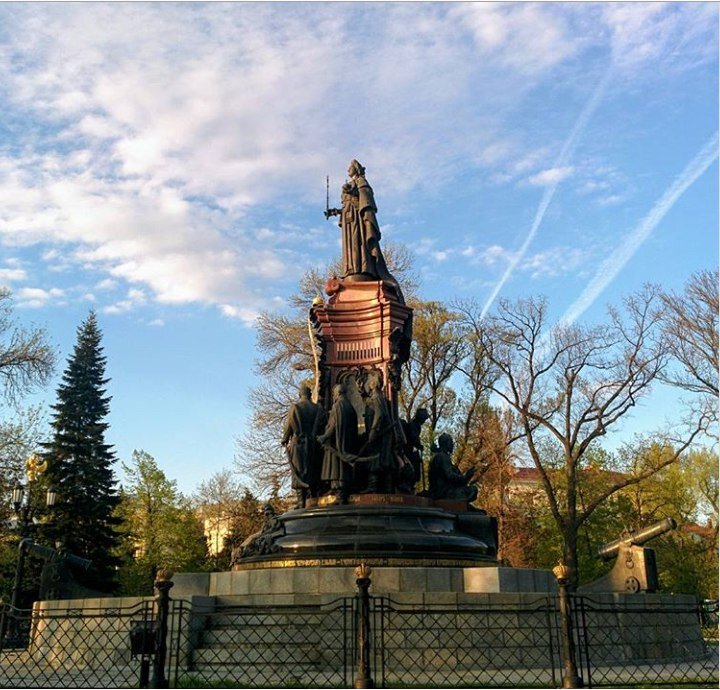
pixel 163 584
pixel 571 679
pixel 363 678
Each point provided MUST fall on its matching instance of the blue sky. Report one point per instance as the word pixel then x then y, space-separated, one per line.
pixel 165 164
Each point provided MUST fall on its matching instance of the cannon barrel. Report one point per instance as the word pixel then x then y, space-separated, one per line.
pixel 40 551
pixel 47 553
pixel 78 561
pixel 610 550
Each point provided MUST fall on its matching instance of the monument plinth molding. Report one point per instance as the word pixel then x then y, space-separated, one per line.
pixel 363 326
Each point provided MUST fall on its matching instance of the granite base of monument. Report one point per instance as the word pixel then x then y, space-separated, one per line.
pixel 340 581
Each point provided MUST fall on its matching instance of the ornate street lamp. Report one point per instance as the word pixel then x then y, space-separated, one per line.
pixel 18 493
pixel 50 498
pixel 24 509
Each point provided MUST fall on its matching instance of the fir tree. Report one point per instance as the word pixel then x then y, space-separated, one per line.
pixel 80 463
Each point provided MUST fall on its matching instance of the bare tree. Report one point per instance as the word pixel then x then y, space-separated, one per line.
pixel 690 322
pixel 27 361
pixel 437 350
pixel 569 385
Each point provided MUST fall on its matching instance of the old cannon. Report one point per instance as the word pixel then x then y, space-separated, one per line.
pixel 635 569
pixel 56 580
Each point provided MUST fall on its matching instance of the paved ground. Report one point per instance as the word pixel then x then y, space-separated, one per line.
pixel 17 670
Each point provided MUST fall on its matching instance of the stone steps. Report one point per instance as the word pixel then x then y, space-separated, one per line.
pixel 215 637
pixel 266 655
pixel 261 677
pixel 269 620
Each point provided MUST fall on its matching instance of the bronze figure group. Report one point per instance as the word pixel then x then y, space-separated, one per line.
pixel 329 455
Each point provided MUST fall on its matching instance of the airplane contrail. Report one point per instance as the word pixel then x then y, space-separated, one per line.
pixel 562 159
pixel 614 263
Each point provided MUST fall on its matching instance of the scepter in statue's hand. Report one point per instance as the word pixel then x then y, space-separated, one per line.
pixel 329 212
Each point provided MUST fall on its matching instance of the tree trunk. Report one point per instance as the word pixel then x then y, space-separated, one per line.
pixel 570 554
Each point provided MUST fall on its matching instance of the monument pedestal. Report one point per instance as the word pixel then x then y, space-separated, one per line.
pixel 364 329
pixel 378 529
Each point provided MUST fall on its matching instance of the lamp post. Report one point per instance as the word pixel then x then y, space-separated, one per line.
pixel 571 679
pixel 24 508
pixel 364 676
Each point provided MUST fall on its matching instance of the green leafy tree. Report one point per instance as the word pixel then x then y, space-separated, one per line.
pixel 686 491
pixel 437 350
pixel 159 527
pixel 533 538
pixel 80 462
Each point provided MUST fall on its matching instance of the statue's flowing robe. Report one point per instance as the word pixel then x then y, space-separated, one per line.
pixel 361 253
pixel 341 433
pixel 368 209
pixel 360 230
pixel 354 255
pixel 380 424
pixel 304 423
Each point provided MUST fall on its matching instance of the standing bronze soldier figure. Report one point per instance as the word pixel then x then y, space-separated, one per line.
pixel 340 440
pixel 380 439
pixel 304 421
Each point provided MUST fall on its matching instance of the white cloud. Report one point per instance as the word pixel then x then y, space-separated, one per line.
pixel 551 176
pixel 152 134
pixel 12 275
pixel 611 199
pixel 107 284
pixel 34 298
pixel 487 256
pixel 134 298
pixel 249 316
pixel 525 37
pixel 425 245
pixel 561 161
pixel 651 34
pixel 554 262
pixel 621 255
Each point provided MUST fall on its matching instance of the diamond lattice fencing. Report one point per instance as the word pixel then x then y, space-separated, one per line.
pixel 262 646
pixel 513 640
pixel 641 641
pixel 79 648
pixel 467 645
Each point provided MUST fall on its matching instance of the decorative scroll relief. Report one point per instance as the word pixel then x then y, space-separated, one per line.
pixel 358 350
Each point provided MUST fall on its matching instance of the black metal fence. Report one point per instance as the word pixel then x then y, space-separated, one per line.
pixel 637 644
pixel 77 648
pixel 262 646
pixel 356 641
